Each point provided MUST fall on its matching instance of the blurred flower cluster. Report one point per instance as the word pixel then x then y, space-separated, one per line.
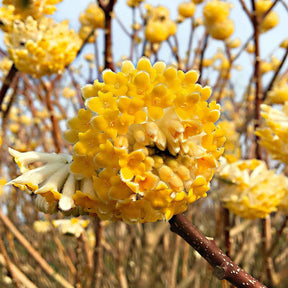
pixel 91 19
pixel 36 44
pixel 216 20
pixel 159 26
pixel 41 47
pixel 274 134
pixel 249 189
pixel 34 8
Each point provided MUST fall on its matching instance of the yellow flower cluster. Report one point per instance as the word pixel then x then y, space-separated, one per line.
pixel 145 148
pixel 279 93
pixel 186 9
pixel 90 20
pixel 274 135
pixel 271 19
pixel 159 26
pixel 42 47
pixel 34 8
pixel 232 144
pixel 216 20
pixel 249 189
pixel 7 17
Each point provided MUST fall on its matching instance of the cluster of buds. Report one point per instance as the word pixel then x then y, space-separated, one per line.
pixel 159 25
pixel 216 20
pixel 91 19
pixel 145 148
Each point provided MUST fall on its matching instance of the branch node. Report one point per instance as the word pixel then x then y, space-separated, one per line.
pixel 219 272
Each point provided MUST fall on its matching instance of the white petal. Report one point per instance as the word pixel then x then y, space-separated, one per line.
pixel 33 178
pixel 55 181
pixel 66 202
pixel 26 158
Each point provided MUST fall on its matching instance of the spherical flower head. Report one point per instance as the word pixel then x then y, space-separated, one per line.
pixel 221 30
pixel 154 146
pixel 42 47
pixel 145 148
pixel 159 26
pixel 249 189
pixel 34 8
pixel 156 32
pixel 274 132
pixel 216 11
pixel 186 9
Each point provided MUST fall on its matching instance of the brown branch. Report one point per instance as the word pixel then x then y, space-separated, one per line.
pixel 8 263
pixel 108 9
pixel 190 42
pixel 6 83
pixel 269 10
pixel 20 276
pixel 275 75
pixel 202 57
pixel 257 77
pixel 224 267
pixel 246 9
pixel 284 4
pixel 98 254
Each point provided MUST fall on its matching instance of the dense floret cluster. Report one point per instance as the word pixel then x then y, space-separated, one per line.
pixel 145 148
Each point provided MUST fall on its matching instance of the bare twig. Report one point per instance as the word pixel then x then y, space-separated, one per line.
pixel 41 261
pixel 6 83
pixel 20 276
pixel 202 56
pixel 224 267
pixel 270 85
pixel 98 254
pixel 8 263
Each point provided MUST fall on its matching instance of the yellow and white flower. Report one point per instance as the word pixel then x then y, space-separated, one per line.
pixel 145 148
